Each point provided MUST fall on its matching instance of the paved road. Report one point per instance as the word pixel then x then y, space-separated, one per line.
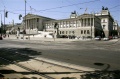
pixel 84 53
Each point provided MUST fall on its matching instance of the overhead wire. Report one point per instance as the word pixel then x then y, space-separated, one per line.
pixel 69 5
pixel 3 2
pixel 57 7
pixel 54 7
pixel 114 7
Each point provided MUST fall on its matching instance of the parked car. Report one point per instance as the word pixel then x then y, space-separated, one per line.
pixel 110 37
pixel 98 38
pixel 89 37
pixel 115 37
pixel 1 38
pixel 105 38
pixel 77 37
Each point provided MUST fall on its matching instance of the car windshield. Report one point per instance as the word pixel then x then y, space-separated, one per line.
pixel 59 39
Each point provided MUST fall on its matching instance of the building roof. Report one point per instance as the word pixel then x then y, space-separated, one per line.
pixel 85 15
pixel 35 16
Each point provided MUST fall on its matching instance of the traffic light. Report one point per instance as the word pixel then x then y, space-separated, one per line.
pixel 20 17
pixel 6 14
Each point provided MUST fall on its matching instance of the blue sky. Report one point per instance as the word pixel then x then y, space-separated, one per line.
pixel 57 9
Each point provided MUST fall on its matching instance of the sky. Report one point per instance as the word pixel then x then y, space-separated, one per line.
pixel 56 9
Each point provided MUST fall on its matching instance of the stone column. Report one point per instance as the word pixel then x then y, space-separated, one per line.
pixel 75 24
pixel 31 24
pixel 82 22
pixel 34 23
pixel 28 23
pixel 93 30
pixel 68 24
pixel 86 21
pixel 65 24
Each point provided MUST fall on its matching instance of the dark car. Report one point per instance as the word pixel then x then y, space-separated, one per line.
pixel 110 37
pixel 1 38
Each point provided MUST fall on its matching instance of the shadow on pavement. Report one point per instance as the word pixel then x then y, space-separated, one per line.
pixel 11 55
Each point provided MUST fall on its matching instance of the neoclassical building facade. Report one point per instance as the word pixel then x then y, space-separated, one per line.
pixel 34 23
pixel 106 22
pixel 82 26
pixel 85 25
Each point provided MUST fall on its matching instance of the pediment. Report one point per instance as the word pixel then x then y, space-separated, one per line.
pixel 85 15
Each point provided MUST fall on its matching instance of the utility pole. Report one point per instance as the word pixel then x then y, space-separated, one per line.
pixel 13 26
pixel 91 25
pixel 4 21
pixel 25 21
pixel 1 24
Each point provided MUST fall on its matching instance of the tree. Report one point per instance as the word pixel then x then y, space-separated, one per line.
pixel 114 32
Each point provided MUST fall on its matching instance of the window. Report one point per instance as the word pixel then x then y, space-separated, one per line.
pixel 103 26
pixel 88 32
pixel 81 31
pixel 37 19
pixel 88 21
pixel 62 32
pixel 66 32
pixel 84 31
pixel 103 20
pixel 73 32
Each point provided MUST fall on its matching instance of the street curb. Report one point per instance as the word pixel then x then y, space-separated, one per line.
pixel 67 65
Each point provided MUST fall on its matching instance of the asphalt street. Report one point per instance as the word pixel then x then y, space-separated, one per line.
pixel 84 53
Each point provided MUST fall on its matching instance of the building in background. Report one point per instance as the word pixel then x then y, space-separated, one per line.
pixel 85 25
pixel 115 28
pixel 12 28
pixel 34 23
pixel 106 22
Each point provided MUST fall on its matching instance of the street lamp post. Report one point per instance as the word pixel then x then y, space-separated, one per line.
pixel 4 21
pixel 56 30
pixel 1 24
pixel 24 29
pixel 91 26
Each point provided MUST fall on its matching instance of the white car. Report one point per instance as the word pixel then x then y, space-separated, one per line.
pixel 105 38
pixel 98 38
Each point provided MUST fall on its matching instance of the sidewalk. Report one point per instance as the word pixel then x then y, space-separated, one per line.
pixel 13 37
